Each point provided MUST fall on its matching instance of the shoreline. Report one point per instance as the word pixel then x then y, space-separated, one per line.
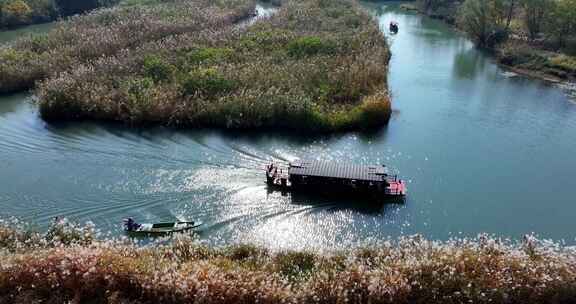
pixel 534 74
pixel 273 74
pixel 496 54
pixel 368 110
pixel 540 75
pixel 69 262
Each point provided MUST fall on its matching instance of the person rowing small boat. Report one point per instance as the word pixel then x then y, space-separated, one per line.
pixel 132 227
pixel 394 28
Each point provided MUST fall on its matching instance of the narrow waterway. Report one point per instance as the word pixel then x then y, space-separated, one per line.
pixel 482 150
pixel 10 36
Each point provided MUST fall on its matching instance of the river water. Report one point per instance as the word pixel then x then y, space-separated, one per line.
pixel 482 151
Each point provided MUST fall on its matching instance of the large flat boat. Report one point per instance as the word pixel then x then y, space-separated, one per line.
pixel 335 178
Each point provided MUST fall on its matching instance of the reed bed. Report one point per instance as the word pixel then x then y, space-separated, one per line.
pixel 69 263
pixel 106 32
pixel 315 65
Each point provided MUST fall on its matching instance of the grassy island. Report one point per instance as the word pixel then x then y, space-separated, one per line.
pixel 68 263
pixel 314 65
pixel 104 33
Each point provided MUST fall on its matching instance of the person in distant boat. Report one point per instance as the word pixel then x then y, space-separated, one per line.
pixel 394 27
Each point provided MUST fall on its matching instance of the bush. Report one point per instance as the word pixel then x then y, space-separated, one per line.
pixel 206 82
pixel 522 56
pixel 294 265
pixel 14 12
pixel 309 46
pixel 375 110
pixel 564 62
pixel 157 69
pixel 245 252
pixel 138 88
pixel 64 232
pixel 209 55
pixel 16 72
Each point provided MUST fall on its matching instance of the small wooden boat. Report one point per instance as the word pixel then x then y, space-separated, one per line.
pixel 394 28
pixel 131 227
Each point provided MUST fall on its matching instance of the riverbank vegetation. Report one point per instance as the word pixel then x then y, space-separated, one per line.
pixel 529 35
pixel 70 263
pixel 440 9
pixel 106 32
pixel 22 12
pixel 314 65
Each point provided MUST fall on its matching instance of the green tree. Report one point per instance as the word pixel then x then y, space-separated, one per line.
pixel 562 21
pixel 536 15
pixel 14 12
pixel 43 10
pixel 487 22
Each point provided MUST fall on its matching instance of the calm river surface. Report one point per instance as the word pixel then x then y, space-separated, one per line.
pixel 483 151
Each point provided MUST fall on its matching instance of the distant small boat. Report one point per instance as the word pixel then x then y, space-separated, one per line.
pixel 394 28
pixel 131 227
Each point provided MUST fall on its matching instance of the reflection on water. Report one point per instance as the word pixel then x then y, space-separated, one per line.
pixel 337 202
pixel 105 173
pixel 570 89
pixel 482 152
pixel 468 63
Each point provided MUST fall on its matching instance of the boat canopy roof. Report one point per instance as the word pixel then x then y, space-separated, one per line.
pixel 376 173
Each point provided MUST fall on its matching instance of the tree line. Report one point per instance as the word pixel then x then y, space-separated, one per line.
pixel 21 12
pixel 490 22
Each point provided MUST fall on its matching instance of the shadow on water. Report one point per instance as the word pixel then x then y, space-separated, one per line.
pixel 375 134
pixel 469 63
pixel 298 137
pixel 10 103
pixel 253 136
pixel 332 202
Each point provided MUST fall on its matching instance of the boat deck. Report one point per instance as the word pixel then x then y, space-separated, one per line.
pixel 339 171
pixel 335 177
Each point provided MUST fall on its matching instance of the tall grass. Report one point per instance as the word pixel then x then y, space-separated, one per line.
pixel 525 56
pixel 314 65
pixel 106 32
pixel 36 268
